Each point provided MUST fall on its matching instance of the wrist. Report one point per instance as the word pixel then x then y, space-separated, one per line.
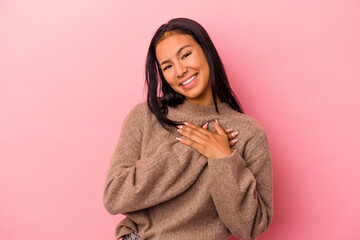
pixel 224 154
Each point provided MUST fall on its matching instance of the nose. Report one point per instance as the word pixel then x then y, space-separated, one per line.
pixel 180 69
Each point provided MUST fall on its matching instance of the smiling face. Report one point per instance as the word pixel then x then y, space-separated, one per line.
pixel 184 67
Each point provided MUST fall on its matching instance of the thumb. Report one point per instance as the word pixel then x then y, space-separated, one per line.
pixel 219 129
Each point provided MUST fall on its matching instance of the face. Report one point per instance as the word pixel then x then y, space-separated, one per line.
pixel 185 68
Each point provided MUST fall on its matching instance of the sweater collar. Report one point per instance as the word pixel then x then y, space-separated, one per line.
pixel 198 114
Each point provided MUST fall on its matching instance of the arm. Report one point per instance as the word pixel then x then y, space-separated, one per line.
pixel 242 188
pixel 134 183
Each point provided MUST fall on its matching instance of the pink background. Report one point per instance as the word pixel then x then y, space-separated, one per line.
pixel 70 71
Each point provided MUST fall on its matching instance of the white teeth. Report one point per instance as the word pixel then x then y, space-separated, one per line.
pixel 189 80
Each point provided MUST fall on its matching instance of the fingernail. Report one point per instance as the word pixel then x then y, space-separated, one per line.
pixel 186 123
pixel 205 125
pixel 179 130
pixel 234 140
pixel 179 139
pixel 180 126
pixel 216 121
pixel 229 130
pixel 234 134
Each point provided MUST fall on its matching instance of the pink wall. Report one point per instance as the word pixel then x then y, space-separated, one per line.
pixel 71 70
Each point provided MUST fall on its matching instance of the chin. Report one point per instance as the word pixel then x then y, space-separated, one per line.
pixel 191 96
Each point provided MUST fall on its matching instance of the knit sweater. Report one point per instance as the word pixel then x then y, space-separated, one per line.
pixel 168 190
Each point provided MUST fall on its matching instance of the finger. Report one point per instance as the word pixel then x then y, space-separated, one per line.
pixel 189 126
pixel 188 142
pixel 229 130
pixel 219 129
pixel 193 135
pixel 232 135
pixel 205 126
pixel 233 142
pixel 190 131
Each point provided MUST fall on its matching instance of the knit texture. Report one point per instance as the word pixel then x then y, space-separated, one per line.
pixel 168 190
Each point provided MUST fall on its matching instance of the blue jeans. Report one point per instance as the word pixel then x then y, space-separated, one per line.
pixel 131 236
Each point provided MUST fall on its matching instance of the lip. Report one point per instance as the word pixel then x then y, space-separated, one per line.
pixel 184 80
pixel 191 84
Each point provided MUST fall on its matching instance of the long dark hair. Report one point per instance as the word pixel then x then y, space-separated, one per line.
pixel 158 101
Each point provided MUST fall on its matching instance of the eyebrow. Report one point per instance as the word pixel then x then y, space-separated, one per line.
pixel 177 53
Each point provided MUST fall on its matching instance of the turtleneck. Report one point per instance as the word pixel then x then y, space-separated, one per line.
pixel 198 114
pixel 168 190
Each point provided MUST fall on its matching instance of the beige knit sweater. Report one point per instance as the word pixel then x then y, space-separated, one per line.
pixel 168 190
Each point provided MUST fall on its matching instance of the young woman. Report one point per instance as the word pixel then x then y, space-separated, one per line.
pixel 189 164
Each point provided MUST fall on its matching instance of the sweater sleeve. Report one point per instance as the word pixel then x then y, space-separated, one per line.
pixel 242 188
pixel 134 183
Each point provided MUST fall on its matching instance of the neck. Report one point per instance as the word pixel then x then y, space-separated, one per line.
pixel 204 102
pixel 196 113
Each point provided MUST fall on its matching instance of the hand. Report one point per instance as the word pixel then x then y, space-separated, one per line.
pixel 231 135
pixel 209 144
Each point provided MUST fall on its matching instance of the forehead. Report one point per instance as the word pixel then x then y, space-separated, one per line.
pixel 170 44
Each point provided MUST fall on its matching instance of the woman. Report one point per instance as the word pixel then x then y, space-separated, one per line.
pixel 178 172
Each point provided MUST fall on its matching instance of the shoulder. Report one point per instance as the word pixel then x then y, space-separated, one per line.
pixel 138 111
pixel 135 121
pixel 136 114
pixel 141 107
pixel 252 136
pixel 140 116
pixel 246 123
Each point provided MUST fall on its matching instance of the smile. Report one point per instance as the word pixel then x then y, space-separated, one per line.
pixel 189 80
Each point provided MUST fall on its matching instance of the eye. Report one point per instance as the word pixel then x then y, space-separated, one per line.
pixel 186 55
pixel 168 66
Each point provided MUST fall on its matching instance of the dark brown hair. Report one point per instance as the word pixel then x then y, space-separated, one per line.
pixel 157 100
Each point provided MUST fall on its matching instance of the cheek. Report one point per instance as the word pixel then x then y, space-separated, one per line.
pixel 201 62
pixel 205 69
pixel 169 79
pixel 206 66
